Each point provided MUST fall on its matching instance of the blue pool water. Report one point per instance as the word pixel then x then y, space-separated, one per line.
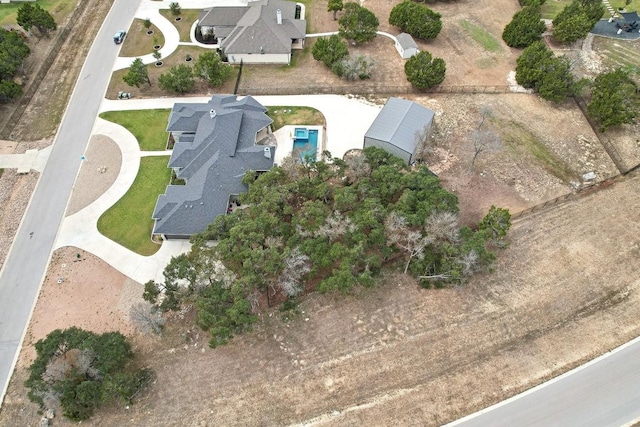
pixel 305 147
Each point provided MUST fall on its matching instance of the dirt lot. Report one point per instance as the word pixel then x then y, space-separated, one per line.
pixel 397 355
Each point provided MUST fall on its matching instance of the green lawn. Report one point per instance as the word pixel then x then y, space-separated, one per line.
pixel 295 116
pixel 634 6
pixel 129 222
pixel 188 17
pixel 148 126
pixel 59 9
pixel 481 36
pixel 551 8
pixel 619 54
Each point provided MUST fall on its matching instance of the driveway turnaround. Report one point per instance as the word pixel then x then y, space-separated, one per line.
pixel 27 260
pixel 604 392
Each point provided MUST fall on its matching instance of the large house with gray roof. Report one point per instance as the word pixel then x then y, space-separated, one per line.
pixel 263 32
pixel 216 143
pixel 400 128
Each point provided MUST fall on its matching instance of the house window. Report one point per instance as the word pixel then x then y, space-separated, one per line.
pixel 298 11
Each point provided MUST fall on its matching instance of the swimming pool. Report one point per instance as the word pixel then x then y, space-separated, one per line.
pixel 305 143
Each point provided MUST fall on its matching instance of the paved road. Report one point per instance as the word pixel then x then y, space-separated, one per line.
pixel 605 392
pixel 27 261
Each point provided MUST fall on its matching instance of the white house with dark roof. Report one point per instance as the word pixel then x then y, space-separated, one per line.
pixel 216 143
pixel 263 32
pixel 400 128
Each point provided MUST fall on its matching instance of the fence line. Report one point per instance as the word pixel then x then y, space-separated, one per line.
pixel 373 90
pixel 25 99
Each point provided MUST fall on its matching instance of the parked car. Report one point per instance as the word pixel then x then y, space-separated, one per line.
pixel 119 37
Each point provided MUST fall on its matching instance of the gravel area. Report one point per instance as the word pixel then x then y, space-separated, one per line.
pixel 97 173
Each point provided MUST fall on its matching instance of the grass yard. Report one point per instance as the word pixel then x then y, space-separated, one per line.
pixel 521 141
pixel 551 8
pixel 631 7
pixel 59 9
pixel 148 126
pixel 619 53
pixel 189 16
pixel 481 36
pixel 282 116
pixel 138 42
pixel 129 222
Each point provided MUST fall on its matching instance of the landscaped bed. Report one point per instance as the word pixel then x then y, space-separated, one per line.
pixel 138 42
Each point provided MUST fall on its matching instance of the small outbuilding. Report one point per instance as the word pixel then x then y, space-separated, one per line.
pixel 406 46
pixel 400 128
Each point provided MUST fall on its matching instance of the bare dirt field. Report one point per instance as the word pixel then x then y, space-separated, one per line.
pixel 563 292
pixel 394 355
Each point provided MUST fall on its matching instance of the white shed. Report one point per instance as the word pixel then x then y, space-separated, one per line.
pixel 406 46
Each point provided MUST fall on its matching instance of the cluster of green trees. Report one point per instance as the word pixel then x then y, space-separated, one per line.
pixel 327 225
pixel 13 51
pixel 525 28
pixel 576 20
pixel 549 75
pixel 416 19
pixel 333 52
pixel 79 370
pixel 181 78
pixel 32 15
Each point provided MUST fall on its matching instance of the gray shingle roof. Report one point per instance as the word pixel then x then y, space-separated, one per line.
pixel 213 157
pixel 254 28
pixel 399 122
pixel 406 41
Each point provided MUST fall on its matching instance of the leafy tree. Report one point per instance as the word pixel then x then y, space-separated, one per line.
pixel 525 27
pixel 358 23
pixel 497 223
pixel 35 16
pixel 335 6
pixel 550 76
pixel 72 367
pixel 137 74
pixel 416 19
pixel 614 99
pixel 209 67
pixel 178 79
pixel 423 71
pixel 9 91
pixel 175 8
pixel 13 50
pixel 576 20
pixel 330 50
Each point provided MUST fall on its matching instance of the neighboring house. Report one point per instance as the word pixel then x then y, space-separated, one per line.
pixel 406 46
pixel 215 144
pixel 264 32
pixel 400 128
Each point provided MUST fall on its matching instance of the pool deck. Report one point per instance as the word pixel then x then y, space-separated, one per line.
pixel 285 136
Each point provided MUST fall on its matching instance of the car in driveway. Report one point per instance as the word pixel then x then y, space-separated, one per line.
pixel 119 37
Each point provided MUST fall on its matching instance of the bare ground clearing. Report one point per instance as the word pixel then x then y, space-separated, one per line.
pixel 394 355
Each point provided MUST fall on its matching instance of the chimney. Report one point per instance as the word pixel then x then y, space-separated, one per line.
pixel 212 113
pixel 279 16
pixel 267 152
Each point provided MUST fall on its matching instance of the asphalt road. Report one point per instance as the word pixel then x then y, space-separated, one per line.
pixel 26 264
pixel 605 392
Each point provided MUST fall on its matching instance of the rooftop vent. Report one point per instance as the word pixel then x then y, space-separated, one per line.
pixel 267 152
pixel 212 113
pixel 279 16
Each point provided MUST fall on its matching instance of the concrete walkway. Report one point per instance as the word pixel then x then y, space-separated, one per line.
pixel 348 119
pixel 31 159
